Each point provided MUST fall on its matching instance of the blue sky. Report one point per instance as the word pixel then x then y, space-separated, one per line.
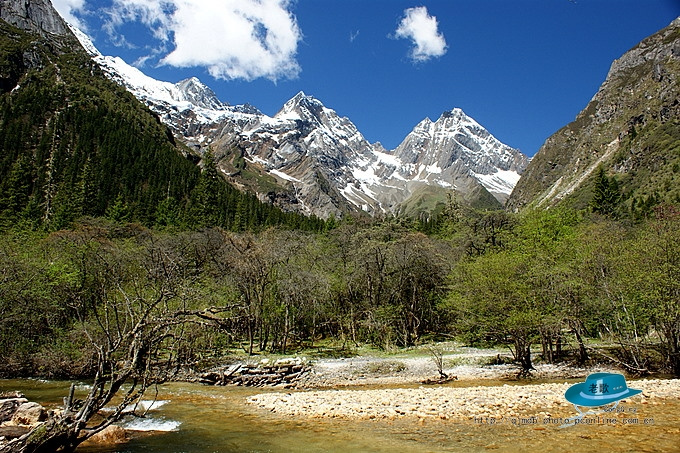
pixel 521 68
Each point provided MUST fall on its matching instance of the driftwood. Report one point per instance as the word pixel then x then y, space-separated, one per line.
pixel 265 373
pixel 441 380
pixel 12 432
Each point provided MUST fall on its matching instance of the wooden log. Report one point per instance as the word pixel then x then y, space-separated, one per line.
pixel 233 369
pixel 12 432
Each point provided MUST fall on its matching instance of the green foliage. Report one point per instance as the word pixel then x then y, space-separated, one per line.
pixel 73 144
pixel 648 275
pixel 557 278
pixel 606 196
pixel 492 300
pixel 562 275
pixel 31 315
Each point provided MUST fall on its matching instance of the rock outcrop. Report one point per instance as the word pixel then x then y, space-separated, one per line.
pixel 283 372
pixel 110 435
pixel 9 405
pixel 18 416
pixel 29 414
pixel 36 15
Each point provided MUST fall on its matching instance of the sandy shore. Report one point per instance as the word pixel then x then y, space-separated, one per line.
pixel 446 402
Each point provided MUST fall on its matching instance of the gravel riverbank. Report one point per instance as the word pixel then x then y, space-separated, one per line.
pixel 506 402
pixel 389 388
pixel 466 364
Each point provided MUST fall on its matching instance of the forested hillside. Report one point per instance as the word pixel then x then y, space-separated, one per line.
pixel 73 144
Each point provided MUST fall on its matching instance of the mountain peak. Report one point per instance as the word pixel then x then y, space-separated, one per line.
pixel 301 106
pixel 199 94
pixel 304 99
pixel 454 113
pixel 458 117
pixel 455 150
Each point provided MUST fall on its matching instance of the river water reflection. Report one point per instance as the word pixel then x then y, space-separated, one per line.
pixel 218 419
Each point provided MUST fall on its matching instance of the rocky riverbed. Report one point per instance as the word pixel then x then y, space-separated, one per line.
pixel 498 403
pixel 388 388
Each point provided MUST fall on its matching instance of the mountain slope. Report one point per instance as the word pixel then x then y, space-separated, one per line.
pixel 73 143
pixel 630 128
pixel 313 151
pixel 63 140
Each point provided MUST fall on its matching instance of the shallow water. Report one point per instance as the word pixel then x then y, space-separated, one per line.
pixel 217 419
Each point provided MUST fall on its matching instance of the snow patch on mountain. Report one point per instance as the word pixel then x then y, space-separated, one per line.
pixel 503 181
pixel 189 95
pixel 284 176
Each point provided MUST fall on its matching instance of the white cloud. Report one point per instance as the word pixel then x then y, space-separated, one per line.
pixel 422 29
pixel 66 8
pixel 155 14
pixel 353 36
pixel 233 39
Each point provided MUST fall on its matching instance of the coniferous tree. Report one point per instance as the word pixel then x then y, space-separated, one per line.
pixel 206 195
pixel 606 195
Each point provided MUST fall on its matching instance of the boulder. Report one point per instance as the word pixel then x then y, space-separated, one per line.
pixel 29 414
pixel 108 436
pixel 8 406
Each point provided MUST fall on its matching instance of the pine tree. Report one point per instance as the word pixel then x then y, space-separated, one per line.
pixel 206 195
pixel 606 195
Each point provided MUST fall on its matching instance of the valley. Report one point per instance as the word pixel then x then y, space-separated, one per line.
pixel 152 235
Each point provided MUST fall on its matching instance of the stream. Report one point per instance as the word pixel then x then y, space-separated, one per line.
pixel 196 418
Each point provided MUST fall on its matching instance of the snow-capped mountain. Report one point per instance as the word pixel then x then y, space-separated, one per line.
pixel 188 106
pixel 456 146
pixel 319 159
pixel 331 166
pixel 312 150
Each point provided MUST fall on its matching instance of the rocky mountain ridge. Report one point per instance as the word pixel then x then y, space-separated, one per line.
pixel 630 128
pixel 308 158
